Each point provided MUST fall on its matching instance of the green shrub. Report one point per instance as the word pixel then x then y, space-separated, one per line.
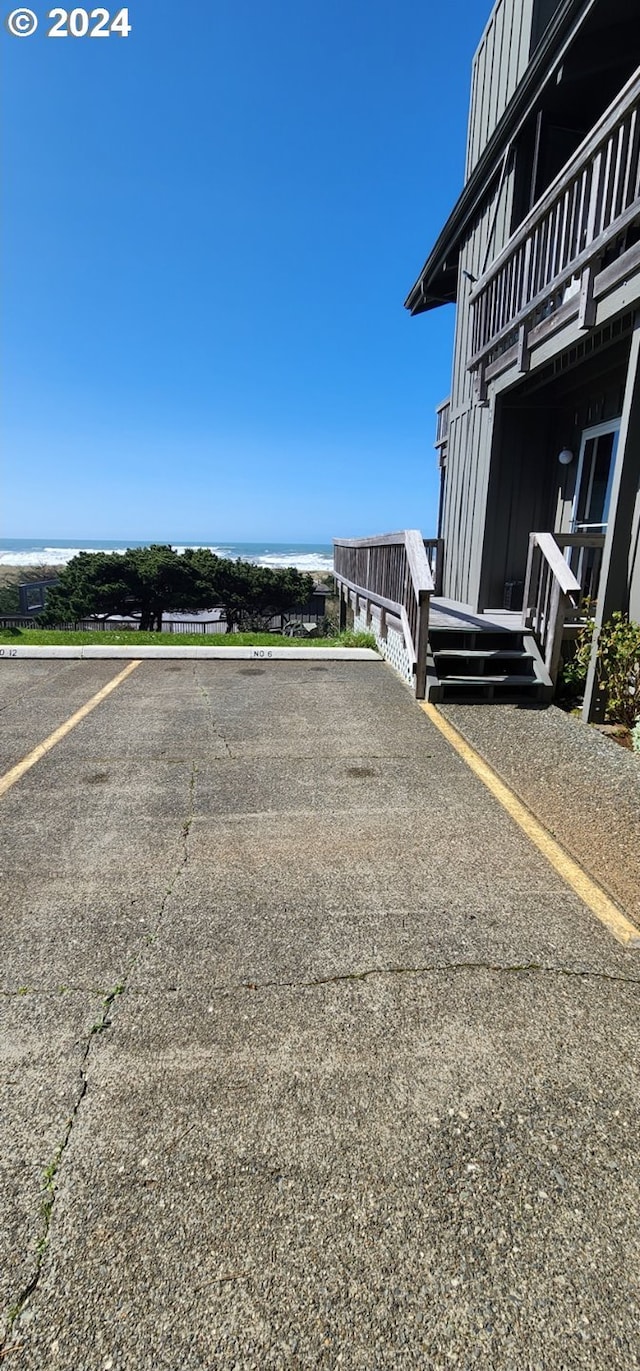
pixel 573 676
pixel 329 626
pixel 351 639
pixel 9 599
pixel 618 670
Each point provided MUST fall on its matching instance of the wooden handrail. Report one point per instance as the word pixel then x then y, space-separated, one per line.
pixel 584 553
pixel 418 562
pixel 412 540
pixel 561 570
pixel 434 548
pixel 579 539
pixel 551 590
pixel 391 571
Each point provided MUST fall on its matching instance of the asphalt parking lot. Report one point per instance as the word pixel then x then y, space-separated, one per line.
pixel 308 1058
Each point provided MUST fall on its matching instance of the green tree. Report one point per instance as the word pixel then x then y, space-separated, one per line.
pixel 143 583
pixel 9 598
pixel 146 583
pixel 252 595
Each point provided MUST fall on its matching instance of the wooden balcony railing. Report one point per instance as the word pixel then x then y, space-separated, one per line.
pixel 442 423
pixel 434 548
pixel 393 573
pixel 557 586
pixel 553 258
pixel 583 552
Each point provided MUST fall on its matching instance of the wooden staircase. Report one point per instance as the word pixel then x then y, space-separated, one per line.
pixel 477 665
pixel 450 650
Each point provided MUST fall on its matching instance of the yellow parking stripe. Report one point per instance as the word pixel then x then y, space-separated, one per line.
pixel 10 777
pixel 591 894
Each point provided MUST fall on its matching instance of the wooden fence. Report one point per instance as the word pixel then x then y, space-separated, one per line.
pixel 278 623
pixel 116 625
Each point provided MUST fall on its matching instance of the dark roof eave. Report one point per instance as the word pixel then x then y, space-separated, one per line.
pixel 420 297
pixel 430 300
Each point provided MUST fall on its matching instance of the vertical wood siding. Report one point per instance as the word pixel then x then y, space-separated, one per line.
pixel 529 490
pixel 500 61
pixel 470 428
pixel 634 563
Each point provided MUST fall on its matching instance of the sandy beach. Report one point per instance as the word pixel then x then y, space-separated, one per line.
pixel 15 575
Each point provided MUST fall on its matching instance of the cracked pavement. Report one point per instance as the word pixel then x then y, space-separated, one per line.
pixel 307 1057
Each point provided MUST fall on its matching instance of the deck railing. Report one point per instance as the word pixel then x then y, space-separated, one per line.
pixel 552 596
pixel 393 573
pixel 553 257
pixel 434 548
pixel 443 414
pixel 583 552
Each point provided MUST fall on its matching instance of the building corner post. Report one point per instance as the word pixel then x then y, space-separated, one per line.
pixel 614 589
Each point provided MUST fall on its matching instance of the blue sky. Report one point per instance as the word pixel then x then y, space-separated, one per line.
pixel 211 228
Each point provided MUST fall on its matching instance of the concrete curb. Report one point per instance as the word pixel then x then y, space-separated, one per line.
pixel 282 654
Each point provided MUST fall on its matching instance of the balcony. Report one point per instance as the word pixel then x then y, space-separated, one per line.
pixel 442 425
pixel 577 243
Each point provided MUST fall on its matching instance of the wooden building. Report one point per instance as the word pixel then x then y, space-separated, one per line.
pixel 539 441
pixel 33 594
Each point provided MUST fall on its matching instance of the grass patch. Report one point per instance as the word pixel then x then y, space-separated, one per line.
pixel 55 637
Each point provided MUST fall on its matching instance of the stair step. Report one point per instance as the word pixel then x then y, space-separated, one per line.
pixel 457 641
pixel 477 691
pixel 493 654
pixel 489 680
pixel 460 664
pixel 464 696
pixel 459 658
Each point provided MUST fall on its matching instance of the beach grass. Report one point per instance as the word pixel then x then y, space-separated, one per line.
pixel 55 637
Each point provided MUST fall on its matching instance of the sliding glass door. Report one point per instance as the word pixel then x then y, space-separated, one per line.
pixel 592 498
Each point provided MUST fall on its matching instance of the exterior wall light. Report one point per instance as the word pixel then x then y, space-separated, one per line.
pixel 565 457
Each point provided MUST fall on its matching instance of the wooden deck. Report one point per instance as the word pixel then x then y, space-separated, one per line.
pixel 452 614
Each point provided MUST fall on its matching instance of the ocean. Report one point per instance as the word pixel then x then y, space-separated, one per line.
pixel 51 552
